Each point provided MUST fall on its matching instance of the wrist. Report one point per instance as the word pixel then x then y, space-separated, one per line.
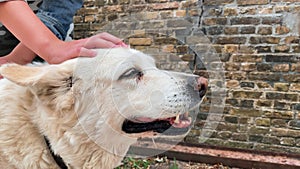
pixel 20 55
pixel 3 60
pixel 61 50
pixel 49 50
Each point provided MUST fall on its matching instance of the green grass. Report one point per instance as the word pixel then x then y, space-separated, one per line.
pixel 137 163
pixel 174 165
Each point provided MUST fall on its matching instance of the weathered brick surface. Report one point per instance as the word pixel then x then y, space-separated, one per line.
pixel 256 41
pixel 252 2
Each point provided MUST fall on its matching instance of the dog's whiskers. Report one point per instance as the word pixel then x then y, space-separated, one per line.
pixel 153 141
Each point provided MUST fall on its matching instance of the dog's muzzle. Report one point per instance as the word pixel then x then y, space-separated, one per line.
pixel 178 124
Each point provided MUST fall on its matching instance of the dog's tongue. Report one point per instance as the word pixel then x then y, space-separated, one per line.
pixel 181 121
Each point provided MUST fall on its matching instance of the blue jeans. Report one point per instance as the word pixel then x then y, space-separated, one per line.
pixel 57 15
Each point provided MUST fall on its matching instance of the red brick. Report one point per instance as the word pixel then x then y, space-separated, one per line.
pixel 151 15
pixel 164 6
pixel 292 77
pixel 236 75
pixel 140 41
pixel 114 8
pixel 263 49
pixel 215 21
pixel 87 11
pixel 247 58
pixel 230 12
pixel 282 30
pixel 265 30
pixel 232 84
pixel 280 9
pixel 292 39
pixel 295 87
pixel 231 40
pixel 168 48
pixel 229 66
pixel 191 3
pixel 215 12
pixel 248 30
pixel 273 77
pixel 271 20
pixel 245 21
pixel 231 30
pixel 281 87
pixel 268 10
pixel 290 0
pixel 296 67
pixel 89 18
pixel 180 13
pixel 281 67
pixel 282 48
pixel 252 2
pixel 231 48
pixel 248 11
pixel 217 2
pixel 246 49
pixel 248 66
pixel 270 40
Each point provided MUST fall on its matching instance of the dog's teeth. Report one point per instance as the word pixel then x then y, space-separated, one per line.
pixel 177 120
pixel 186 115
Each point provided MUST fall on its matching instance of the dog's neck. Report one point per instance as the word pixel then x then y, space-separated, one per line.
pixel 77 148
pixel 92 154
pixel 59 161
pixel 69 139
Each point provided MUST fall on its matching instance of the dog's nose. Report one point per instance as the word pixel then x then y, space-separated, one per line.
pixel 202 84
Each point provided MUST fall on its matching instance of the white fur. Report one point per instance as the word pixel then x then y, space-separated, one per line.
pixel 83 121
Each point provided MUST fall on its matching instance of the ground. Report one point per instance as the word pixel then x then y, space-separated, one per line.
pixel 164 163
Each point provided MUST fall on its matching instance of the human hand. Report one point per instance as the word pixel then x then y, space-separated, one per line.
pixel 3 60
pixel 103 40
pixel 83 47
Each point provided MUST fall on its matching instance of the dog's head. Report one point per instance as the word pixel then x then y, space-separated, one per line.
pixel 120 89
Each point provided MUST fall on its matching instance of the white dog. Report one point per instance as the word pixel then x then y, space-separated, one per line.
pixel 90 109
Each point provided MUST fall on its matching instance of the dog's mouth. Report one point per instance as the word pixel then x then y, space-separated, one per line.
pixel 176 125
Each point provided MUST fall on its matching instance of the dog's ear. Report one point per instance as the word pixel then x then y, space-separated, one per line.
pixel 51 83
pixel 33 75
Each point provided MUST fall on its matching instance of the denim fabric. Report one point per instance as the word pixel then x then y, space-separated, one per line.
pixel 58 15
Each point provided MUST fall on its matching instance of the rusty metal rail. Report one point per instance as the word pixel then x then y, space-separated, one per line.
pixel 247 159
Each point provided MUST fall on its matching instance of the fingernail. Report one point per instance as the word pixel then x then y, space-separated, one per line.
pixel 125 45
pixel 122 44
pixel 117 46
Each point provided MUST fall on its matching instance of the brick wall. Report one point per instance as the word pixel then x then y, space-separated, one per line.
pixel 253 51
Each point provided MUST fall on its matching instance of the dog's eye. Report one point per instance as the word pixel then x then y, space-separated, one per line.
pixel 131 73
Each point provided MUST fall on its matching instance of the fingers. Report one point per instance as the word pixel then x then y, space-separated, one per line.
pixel 87 52
pixel 122 44
pixel 94 42
pixel 84 47
pixel 108 37
pixel 104 40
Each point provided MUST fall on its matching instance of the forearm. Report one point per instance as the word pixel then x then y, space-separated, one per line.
pixel 37 38
pixel 20 55
pixel 30 31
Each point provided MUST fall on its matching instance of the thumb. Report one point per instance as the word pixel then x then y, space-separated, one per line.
pixel 87 52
